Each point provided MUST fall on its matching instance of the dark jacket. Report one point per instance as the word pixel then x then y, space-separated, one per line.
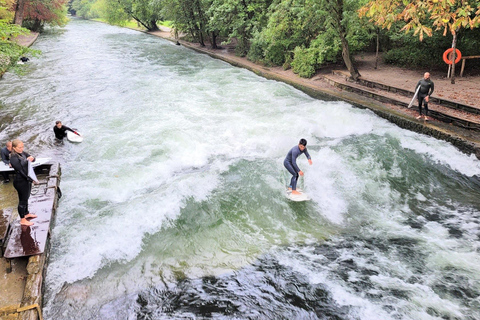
pixel 62 132
pixel 5 155
pixel 19 162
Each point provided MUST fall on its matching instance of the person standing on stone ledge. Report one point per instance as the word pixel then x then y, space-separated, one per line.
pixel 426 89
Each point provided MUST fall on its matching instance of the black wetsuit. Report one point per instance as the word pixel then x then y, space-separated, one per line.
pixel 426 89
pixel 22 182
pixel 60 133
pixel 290 163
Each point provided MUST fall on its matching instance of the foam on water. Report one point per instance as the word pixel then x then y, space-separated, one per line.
pixel 181 176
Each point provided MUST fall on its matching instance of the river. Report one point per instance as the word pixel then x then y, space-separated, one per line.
pixel 174 205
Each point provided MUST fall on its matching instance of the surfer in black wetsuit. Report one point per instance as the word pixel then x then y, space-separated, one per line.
pixel 426 90
pixel 290 163
pixel 61 130
pixel 22 182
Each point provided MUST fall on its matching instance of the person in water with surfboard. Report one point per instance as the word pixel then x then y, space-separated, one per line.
pixel 22 182
pixel 61 130
pixel 426 89
pixel 290 163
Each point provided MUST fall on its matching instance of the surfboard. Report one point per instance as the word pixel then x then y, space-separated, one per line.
pixel 38 162
pixel 72 137
pixel 414 97
pixel 31 172
pixel 297 197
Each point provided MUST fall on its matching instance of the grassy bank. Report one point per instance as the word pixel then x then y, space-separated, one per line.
pixel 9 54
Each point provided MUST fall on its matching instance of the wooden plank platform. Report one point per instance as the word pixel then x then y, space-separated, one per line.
pixel 5 219
pixel 31 240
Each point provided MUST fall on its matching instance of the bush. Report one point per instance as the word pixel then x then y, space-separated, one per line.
pixel 288 61
pixel 9 55
pixel 304 61
pixel 257 49
pixel 275 53
pixel 325 48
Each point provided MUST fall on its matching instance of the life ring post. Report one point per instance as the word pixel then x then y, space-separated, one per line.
pixel 447 56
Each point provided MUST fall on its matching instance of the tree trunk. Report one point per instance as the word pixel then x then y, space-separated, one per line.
pixel 348 59
pixel 336 9
pixel 153 26
pixel 378 47
pixel 454 56
pixel 18 20
pixel 214 40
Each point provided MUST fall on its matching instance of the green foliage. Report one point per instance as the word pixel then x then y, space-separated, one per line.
pixel 304 61
pixel 237 19
pixel 406 51
pixel 87 9
pixel 10 53
pixel 6 10
pixel 10 30
pixel 291 23
pixel 325 48
pixel 119 12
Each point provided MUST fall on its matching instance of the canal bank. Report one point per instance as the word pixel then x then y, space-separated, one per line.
pixel 325 86
pixel 25 41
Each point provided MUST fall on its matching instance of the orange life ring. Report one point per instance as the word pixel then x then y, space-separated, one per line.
pixel 446 56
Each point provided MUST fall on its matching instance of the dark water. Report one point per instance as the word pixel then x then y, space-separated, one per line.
pixel 174 204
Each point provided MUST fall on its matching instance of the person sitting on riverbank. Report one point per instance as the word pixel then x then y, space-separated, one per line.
pixel 61 130
pixel 22 182
pixel 6 160
pixel 426 89
pixel 290 163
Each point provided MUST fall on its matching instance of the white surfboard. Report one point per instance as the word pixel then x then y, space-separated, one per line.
pixel 72 137
pixel 38 162
pixel 414 97
pixel 297 197
pixel 31 172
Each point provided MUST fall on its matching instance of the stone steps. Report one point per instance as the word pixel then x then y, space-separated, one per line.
pixel 458 114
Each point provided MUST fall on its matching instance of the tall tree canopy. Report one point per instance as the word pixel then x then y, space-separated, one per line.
pixel 34 14
pixel 145 12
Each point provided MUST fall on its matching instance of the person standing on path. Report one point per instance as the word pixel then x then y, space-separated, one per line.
pixel 6 160
pixel 290 163
pixel 22 182
pixel 426 89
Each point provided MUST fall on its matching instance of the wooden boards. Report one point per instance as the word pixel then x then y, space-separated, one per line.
pixel 31 240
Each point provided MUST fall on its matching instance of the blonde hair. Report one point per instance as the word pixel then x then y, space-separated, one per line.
pixel 15 143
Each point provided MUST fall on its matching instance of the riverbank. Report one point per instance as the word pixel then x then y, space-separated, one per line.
pixel 466 91
pixel 22 40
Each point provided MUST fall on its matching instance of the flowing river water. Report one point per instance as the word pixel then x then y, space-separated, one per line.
pixel 173 207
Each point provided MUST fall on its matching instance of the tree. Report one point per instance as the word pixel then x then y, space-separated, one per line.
pixel 238 19
pixel 189 16
pixel 145 13
pixel 338 20
pixel 37 13
pixel 19 12
pixel 422 16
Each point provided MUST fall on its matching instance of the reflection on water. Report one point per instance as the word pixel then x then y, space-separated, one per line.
pixel 174 205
